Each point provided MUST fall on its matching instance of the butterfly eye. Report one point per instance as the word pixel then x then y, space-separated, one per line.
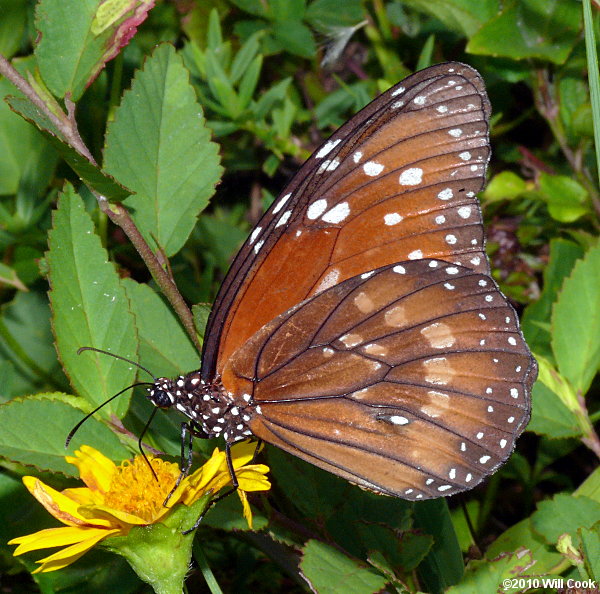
pixel 159 395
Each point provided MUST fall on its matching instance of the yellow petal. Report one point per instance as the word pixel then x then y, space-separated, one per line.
pixel 95 469
pixel 252 478
pixel 114 516
pixel 242 453
pixel 246 507
pixel 67 556
pixel 56 537
pixel 60 506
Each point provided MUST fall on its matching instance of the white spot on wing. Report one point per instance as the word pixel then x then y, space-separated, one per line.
pixel 316 209
pixel 356 157
pixel 255 234
pixel 415 255
pixel 392 218
pixel 281 203
pixel 327 148
pixel 284 218
pixel 372 168
pixel 464 212
pixel 411 177
pixel 329 280
pixel 445 194
pixel 337 214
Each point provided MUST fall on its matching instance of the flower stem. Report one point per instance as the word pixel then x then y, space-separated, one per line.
pixel 209 576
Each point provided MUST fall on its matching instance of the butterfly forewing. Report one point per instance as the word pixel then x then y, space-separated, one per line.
pixel 397 182
pixel 411 380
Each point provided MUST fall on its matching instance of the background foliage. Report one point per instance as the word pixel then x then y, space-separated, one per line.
pixel 268 80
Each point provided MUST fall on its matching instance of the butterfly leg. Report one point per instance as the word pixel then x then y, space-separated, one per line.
pixel 189 431
pixel 233 489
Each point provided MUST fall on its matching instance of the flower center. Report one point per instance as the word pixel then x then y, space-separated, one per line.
pixel 135 490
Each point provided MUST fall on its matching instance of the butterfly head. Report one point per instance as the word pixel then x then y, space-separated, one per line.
pixel 162 392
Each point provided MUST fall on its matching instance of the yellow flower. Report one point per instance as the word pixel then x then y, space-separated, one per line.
pixel 117 498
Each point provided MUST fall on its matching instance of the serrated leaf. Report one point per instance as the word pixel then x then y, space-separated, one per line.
pixel 328 571
pixel 487 576
pixel 564 514
pixel 164 346
pixel 90 173
pixel 521 536
pixel 90 307
pixel 530 29
pixel 576 323
pixel 562 258
pixel 34 430
pixel 75 44
pixel 159 146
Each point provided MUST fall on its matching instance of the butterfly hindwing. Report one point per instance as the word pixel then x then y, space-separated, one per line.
pixel 411 380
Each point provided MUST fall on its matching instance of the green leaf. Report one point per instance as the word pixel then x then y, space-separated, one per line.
pixel 521 536
pixel 249 81
pixel 566 198
pixel 76 40
pixel 328 571
pixel 443 566
pixel 165 347
pixel 576 323
pixel 549 414
pixel 564 514
pixel 244 57
pixel 462 16
pixel 588 543
pixel 18 138
pixel 9 277
pixel 504 186
pixel 562 258
pixel 159 146
pixel 89 307
pixel 295 37
pixel 12 25
pixel 523 29
pixel 89 173
pixel 326 16
pixel 267 100
pixel 488 576
pixel 35 429
pixel 201 312
pixel 26 339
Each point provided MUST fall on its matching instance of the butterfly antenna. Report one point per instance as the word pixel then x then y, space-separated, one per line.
pixel 76 428
pixel 140 444
pixel 86 348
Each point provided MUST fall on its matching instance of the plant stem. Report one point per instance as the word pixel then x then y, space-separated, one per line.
pixel 66 124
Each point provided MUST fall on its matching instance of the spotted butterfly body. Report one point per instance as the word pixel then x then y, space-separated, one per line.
pixel 358 327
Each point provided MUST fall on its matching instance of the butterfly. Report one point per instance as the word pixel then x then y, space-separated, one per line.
pixel 358 327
